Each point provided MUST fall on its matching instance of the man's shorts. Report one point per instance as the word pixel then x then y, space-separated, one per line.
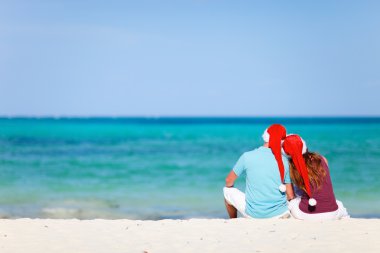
pixel 236 198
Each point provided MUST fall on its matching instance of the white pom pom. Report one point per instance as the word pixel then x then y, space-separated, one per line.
pixel 282 188
pixel 312 202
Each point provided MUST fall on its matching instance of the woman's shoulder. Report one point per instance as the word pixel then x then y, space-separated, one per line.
pixel 318 157
pixel 325 160
pixel 324 163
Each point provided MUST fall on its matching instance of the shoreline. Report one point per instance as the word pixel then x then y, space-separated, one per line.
pixel 193 235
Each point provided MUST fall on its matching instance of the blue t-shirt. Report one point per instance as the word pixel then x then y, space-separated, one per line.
pixel 262 195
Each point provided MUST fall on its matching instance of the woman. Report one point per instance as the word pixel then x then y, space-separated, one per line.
pixel 309 172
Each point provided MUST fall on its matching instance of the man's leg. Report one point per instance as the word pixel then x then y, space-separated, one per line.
pixel 231 210
pixel 234 200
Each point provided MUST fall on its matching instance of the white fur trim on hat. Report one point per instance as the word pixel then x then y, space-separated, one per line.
pixel 282 188
pixel 282 149
pixel 312 202
pixel 304 147
pixel 266 135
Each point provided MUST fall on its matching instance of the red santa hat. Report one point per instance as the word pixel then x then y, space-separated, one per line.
pixel 274 136
pixel 295 147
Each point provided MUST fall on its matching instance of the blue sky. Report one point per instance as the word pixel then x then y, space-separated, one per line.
pixel 169 58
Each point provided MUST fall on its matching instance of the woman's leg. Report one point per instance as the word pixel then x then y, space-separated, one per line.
pixel 335 215
pixel 342 211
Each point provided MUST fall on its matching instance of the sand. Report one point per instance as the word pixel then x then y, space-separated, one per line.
pixel 194 235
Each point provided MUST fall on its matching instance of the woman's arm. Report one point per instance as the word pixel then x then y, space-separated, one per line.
pixel 289 191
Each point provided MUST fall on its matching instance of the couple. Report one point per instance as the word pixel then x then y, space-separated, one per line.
pixel 270 178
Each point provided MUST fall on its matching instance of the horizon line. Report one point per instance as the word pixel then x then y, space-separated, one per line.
pixel 184 116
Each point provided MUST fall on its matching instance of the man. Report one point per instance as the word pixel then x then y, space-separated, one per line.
pixel 268 184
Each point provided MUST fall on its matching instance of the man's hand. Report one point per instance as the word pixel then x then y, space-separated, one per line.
pixel 230 179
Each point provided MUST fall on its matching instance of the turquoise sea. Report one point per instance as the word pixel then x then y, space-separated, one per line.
pixel 156 168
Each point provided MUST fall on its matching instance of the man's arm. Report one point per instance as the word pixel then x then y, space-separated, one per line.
pixel 230 179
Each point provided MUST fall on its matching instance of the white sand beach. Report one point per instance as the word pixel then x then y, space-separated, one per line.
pixel 194 235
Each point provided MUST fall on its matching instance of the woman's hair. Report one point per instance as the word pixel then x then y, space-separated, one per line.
pixel 315 171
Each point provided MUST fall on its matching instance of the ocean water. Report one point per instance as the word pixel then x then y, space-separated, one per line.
pixel 156 168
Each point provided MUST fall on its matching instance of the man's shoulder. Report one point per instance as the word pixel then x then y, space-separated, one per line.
pixel 252 152
pixel 260 150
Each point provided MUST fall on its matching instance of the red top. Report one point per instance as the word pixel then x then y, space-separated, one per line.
pixel 324 196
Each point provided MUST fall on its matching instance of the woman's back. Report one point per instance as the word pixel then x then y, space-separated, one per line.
pixel 324 195
pixel 310 173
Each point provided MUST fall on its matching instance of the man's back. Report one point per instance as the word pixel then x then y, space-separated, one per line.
pixel 263 198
